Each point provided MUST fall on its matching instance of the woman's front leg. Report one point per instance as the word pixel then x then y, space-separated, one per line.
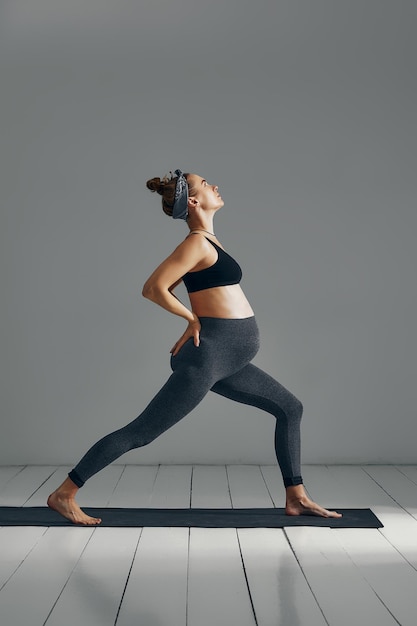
pixel 255 387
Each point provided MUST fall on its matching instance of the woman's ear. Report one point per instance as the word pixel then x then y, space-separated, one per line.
pixel 193 202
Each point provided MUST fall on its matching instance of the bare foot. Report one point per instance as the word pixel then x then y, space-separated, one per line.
pixel 304 506
pixel 68 508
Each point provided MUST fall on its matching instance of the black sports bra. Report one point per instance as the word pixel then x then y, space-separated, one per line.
pixel 225 271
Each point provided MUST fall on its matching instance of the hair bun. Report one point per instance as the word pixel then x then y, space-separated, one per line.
pixel 166 188
pixel 156 184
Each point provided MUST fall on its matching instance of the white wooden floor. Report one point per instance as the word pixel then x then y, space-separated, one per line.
pixel 203 577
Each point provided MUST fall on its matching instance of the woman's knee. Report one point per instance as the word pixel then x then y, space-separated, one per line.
pixel 293 409
pixel 298 408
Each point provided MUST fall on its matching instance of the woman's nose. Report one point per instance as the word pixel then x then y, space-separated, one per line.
pixel 216 188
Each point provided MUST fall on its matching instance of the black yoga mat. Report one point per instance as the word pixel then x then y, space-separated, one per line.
pixel 203 518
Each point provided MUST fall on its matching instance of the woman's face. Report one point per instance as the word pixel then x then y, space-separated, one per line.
pixel 207 195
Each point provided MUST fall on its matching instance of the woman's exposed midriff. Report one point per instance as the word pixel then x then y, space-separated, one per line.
pixel 225 302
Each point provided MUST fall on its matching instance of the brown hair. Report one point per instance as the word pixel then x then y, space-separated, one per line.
pixel 166 188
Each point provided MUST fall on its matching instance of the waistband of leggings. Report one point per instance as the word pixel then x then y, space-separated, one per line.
pixel 228 321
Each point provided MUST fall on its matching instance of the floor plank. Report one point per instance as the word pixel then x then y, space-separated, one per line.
pixel 343 594
pixel 279 591
pixel 172 487
pixel 15 544
pixel 156 593
pixel 217 590
pixel 247 487
pixel 7 472
pixel 24 484
pixel 401 488
pixel 351 486
pixel 273 480
pixel 42 576
pixel 210 488
pixel 408 470
pixel 344 486
pixel 93 592
pixel 389 575
pixel 135 486
pixel 356 488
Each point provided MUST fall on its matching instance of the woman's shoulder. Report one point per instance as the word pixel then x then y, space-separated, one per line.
pixel 195 245
pixel 195 240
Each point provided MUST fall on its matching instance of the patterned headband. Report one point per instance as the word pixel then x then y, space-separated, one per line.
pixel 180 207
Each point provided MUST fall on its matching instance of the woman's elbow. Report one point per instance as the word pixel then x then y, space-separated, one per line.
pixel 152 291
pixel 147 291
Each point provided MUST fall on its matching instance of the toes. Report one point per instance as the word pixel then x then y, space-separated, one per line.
pixel 331 514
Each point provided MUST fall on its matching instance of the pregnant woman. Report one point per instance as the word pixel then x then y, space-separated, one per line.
pixel 213 354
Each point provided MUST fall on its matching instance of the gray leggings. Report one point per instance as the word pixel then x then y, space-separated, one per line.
pixel 221 364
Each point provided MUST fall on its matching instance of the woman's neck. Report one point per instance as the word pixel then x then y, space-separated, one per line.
pixel 206 226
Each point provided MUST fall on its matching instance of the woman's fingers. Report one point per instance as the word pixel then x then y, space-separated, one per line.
pixel 176 348
pixel 193 331
pixel 177 345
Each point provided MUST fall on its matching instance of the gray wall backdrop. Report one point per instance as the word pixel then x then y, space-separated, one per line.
pixel 304 113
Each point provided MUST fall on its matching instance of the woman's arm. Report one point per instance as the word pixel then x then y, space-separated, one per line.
pixel 166 299
pixel 161 283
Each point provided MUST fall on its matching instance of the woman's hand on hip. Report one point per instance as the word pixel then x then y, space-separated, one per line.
pixel 192 331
